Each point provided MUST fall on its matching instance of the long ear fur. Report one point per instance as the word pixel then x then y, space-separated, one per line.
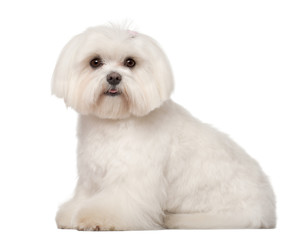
pixel 63 79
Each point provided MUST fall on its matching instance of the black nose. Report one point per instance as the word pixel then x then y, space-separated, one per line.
pixel 114 78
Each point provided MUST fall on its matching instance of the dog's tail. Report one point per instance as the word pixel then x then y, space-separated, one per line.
pixel 215 221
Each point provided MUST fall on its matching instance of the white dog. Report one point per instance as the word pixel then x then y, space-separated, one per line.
pixel 143 161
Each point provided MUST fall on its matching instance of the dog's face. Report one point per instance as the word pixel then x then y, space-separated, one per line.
pixel 112 73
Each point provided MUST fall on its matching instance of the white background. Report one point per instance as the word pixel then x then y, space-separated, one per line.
pixel 235 66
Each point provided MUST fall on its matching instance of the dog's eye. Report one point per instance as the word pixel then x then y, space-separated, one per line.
pixel 129 62
pixel 96 62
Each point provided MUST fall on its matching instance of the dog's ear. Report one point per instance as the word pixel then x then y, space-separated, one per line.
pixel 63 79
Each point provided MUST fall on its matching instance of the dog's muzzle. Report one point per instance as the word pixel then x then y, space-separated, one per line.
pixel 113 79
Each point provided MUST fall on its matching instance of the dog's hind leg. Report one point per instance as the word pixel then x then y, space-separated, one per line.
pixel 215 221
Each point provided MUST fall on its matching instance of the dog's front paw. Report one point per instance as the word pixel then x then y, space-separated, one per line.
pixel 92 219
pixel 64 217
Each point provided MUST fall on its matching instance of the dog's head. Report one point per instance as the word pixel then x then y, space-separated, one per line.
pixel 112 73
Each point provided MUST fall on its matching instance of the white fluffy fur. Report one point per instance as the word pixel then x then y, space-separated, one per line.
pixel 143 161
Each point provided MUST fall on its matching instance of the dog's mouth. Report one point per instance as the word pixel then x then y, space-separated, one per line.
pixel 113 91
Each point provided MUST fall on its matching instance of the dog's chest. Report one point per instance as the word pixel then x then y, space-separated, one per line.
pixel 109 147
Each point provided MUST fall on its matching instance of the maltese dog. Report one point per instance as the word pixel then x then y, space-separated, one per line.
pixel 143 161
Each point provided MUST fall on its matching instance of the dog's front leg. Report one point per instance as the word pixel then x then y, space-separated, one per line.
pixel 67 210
pixel 113 211
pixel 135 205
